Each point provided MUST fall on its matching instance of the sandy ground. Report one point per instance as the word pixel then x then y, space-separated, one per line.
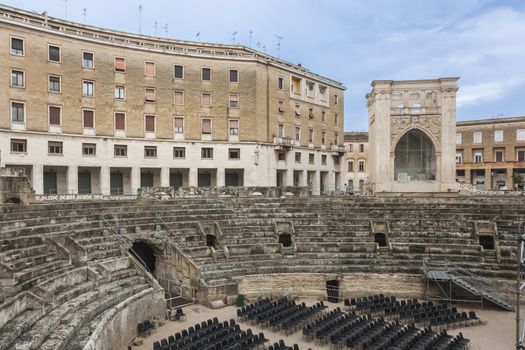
pixel 497 334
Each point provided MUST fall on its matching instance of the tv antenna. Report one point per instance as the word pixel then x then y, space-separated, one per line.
pixel 65 9
pixel 279 38
pixel 140 19
pixel 251 38
pixel 198 36
pixel 156 27
pixel 165 27
pixel 85 12
pixel 233 37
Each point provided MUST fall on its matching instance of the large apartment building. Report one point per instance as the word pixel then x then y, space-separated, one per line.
pixel 490 151
pixel 91 110
pixel 356 144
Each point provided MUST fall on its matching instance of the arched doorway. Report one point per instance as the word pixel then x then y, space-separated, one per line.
pixel 487 242
pixel 211 240
pixel 285 239
pixel 13 200
pixel 332 291
pixel 380 238
pixel 144 254
pixel 415 157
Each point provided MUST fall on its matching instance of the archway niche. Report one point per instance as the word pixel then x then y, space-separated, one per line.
pixel 13 200
pixel 415 157
pixel 285 239
pixel 145 255
pixel 211 240
pixel 380 238
pixel 332 290
pixel 487 242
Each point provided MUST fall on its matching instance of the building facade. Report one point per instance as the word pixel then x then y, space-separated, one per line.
pixel 90 110
pixel 356 157
pixel 411 132
pixel 490 151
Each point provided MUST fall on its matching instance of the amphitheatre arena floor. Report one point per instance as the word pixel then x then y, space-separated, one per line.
pixel 497 334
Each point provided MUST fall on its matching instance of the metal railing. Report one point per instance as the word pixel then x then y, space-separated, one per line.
pixel 414 111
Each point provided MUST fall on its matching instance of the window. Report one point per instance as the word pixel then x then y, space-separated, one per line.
pixel 478 156
pixel 280 106
pixel 206 74
pixel 120 64
pixel 18 112
pixel 459 157
pixel 54 115
pixel 351 147
pixel 17 78
pixel 477 137
pixel 121 150
pixel 323 137
pixel 18 145
pixel 323 159
pixel 351 166
pixel 178 71
pixel 234 101
pixel 498 136
pixel 336 138
pixel 322 93
pixel 310 89
pixel 87 60
pixel 281 155
pixel 311 113
pixel 150 123
pixel 361 166
pixel 149 69
pixel 89 149
pixel 297 133
pixel 206 126
pixel 311 158
pixel 234 153
pixel 17 46
pixel 88 88
pixel 458 138
pixel 178 125
pixel 54 147
pixel 120 92
pixel 323 116
pixel 336 99
pixel 520 155
pixel 361 147
pixel 149 95
pixel 207 153
pixel 520 135
pixel 280 130
pixel 336 118
pixel 298 157
pixel 120 121
pixel 234 76
pixel 150 151
pixel 54 53
pixel 234 127
pixel 499 155
pixel 311 135
pixel 206 99
pixel 54 83
pixel 296 85
pixel 179 152
pixel 297 110
pixel 178 98
pixel 280 83
pixel 88 118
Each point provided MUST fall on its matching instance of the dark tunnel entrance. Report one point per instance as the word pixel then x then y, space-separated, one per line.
pixel 144 254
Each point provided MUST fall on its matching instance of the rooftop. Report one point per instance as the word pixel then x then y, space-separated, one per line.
pixel 356 136
pixel 490 121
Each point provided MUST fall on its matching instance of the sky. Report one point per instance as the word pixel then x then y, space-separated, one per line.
pixel 351 41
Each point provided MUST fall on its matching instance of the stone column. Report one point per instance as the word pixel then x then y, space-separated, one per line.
pixel 164 177
pixel 468 179
pixel 316 183
pixel 37 180
pixel 104 180
pixel 135 179
pixel 508 180
pixel 72 179
pixel 220 180
pixel 488 179
pixel 193 179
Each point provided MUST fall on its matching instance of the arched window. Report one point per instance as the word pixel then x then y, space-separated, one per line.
pixel 415 157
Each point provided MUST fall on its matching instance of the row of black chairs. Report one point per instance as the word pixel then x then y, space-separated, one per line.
pixel 145 328
pixel 282 346
pixel 323 323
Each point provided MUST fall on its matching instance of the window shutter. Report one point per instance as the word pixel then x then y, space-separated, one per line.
pixel 54 115
pixel 150 123
pixel 179 98
pixel 150 95
pixel 206 99
pixel 120 64
pixel 206 126
pixel 17 44
pixel 88 119
pixel 150 69
pixel 120 121
pixel 234 124
pixel 179 122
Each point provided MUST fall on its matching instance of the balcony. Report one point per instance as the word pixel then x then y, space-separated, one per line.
pixel 415 111
pixel 283 143
pixel 338 149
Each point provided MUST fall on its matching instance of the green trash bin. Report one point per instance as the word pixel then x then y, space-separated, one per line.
pixel 239 302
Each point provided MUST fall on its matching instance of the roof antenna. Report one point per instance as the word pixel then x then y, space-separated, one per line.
pixel 85 11
pixel 65 9
pixel 233 37
pixel 165 27
pixel 140 19
pixel 251 38
pixel 156 27
pixel 279 38
pixel 198 36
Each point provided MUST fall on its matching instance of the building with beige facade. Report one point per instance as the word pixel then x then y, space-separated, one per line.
pixel 490 151
pixel 91 110
pixel 411 135
pixel 356 158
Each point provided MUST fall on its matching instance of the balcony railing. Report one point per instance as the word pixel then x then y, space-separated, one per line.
pixel 338 148
pixel 415 111
pixel 283 141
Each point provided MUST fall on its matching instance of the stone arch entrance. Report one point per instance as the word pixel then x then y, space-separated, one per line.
pixel 415 157
pixel 145 254
pixel 211 240
pixel 285 239
pixel 332 290
pixel 380 238
pixel 13 200
pixel 487 242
